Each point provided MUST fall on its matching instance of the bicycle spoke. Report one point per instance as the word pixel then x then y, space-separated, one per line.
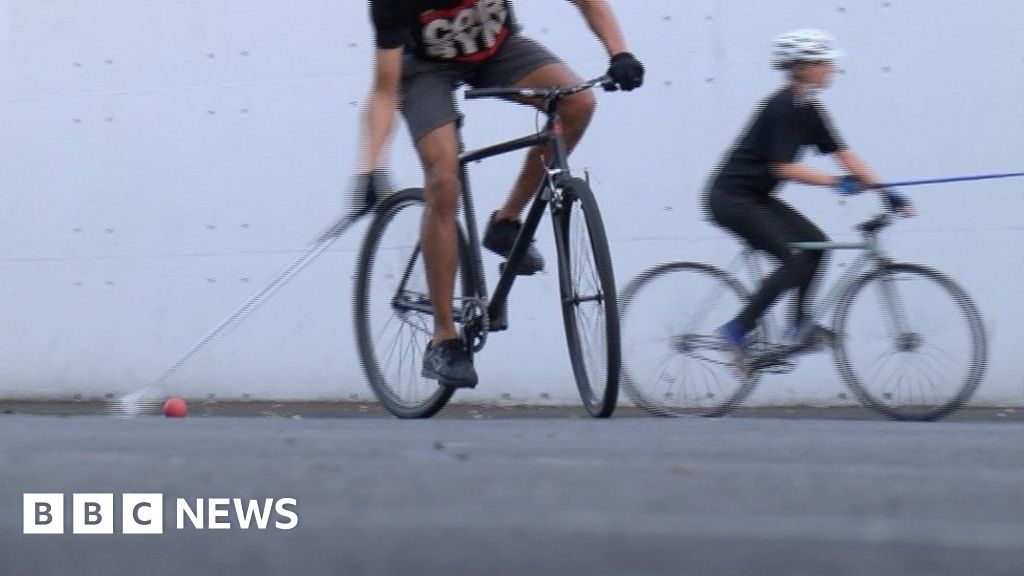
pixel 667 374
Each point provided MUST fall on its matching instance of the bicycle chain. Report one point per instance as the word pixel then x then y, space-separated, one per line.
pixel 473 309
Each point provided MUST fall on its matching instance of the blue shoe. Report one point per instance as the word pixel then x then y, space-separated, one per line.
pixel 735 339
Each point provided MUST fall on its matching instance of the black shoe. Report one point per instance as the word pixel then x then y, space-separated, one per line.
pixel 449 364
pixel 499 238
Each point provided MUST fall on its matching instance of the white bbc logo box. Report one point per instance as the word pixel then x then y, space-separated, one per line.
pixel 93 514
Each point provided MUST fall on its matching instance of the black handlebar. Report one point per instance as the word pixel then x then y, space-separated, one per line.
pixel 552 93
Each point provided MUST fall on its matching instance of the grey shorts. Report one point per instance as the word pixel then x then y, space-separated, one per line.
pixel 428 87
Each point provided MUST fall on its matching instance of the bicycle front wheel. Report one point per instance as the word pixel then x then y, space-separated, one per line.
pixel 911 342
pixel 393 312
pixel 675 364
pixel 589 306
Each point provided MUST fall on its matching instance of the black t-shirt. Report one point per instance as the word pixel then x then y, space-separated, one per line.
pixel 778 132
pixel 448 30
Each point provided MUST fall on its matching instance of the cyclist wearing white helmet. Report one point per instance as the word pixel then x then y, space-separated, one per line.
pixel 806 45
pixel 741 193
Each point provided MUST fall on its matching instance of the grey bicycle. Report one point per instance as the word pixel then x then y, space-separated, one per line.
pixel 906 339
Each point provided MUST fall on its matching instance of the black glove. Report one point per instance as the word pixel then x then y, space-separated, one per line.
pixel 368 189
pixel 896 202
pixel 626 71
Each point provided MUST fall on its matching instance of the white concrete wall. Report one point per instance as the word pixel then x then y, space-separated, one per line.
pixel 164 159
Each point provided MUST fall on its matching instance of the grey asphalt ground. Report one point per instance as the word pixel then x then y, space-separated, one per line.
pixel 534 491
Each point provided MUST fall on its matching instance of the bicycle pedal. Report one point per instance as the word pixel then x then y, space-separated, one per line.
pixel 771 359
pixel 783 367
pixel 807 348
pixel 520 272
pixel 772 365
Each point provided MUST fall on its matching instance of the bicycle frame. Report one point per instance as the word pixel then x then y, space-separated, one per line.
pixel 872 258
pixel 557 171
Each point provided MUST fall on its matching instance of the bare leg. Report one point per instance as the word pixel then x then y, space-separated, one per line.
pixel 438 152
pixel 576 112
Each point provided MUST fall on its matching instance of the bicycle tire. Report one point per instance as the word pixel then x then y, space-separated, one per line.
pixel 398 385
pixel 905 399
pixel 588 297
pixel 673 362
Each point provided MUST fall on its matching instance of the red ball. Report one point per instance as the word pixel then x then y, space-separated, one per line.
pixel 175 408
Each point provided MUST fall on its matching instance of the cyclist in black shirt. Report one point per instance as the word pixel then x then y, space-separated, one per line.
pixel 425 49
pixel 742 193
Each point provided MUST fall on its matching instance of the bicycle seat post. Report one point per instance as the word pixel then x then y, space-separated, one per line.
pixel 554 126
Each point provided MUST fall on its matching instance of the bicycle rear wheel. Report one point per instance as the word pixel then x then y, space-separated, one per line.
pixel 589 305
pixel 911 342
pixel 393 314
pixel 674 363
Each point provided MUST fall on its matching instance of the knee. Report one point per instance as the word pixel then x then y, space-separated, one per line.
pixel 577 110
pixel 442 192
pixel 820 257
pixel 816 258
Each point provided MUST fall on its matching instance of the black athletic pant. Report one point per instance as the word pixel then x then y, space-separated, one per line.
pixel 769 224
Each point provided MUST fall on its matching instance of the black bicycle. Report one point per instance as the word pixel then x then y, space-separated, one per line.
pixel 392 304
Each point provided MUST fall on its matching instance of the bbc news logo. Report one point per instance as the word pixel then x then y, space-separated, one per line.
pixel 144 513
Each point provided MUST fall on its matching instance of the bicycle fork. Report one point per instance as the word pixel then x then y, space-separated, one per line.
pixel 903 337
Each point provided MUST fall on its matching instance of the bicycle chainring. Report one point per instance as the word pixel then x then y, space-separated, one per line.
pixel 476 324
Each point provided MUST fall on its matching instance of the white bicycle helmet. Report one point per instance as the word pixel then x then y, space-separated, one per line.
pixel 804 45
